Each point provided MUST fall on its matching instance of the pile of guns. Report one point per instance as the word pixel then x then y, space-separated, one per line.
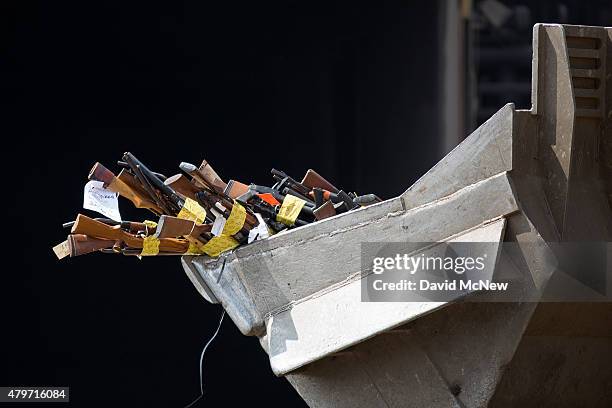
pixel 198 213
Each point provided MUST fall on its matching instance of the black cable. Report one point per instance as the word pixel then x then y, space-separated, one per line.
pixel 202 360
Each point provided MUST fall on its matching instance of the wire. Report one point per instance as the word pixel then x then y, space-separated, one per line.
pixel 202 360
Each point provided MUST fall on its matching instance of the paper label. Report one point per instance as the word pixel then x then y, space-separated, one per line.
pixel 219 244
pixel 62 250
pixel 192 211
pixel 290 210
pixel 101 200
pixel 236 220
pixel 218 225
pixel 150 246
pixel 261 231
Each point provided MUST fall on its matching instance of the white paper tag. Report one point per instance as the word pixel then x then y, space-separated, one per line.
pixel 99 199
pixel 218 225
pixel 62 250
pixel 261 231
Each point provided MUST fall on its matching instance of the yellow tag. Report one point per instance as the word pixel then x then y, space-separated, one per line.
pixel 150 246
pixel 192 211
pixel 219 244
pixel 150 224
pixel 290 209
pixel 194 249
pixel 235 221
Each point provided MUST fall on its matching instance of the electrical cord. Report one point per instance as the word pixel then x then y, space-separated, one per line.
pixel 202 360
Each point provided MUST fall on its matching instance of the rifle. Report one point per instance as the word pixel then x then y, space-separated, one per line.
pixel 140 200
pixel 168 199
pixel 92 228
pixel 174 196
pixel 283 181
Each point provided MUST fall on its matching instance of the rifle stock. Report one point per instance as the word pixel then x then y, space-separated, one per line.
pixel 235 189
pixel 325 211
pixel 313 179
pixel 113 183
pixel 90 227
pixel 172 227
pixel 210 175
pixel 204 176
pixel 80 244
pixel 181 184
pixel 129 179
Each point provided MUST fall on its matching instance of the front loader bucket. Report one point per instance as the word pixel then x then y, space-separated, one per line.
pixel 534 178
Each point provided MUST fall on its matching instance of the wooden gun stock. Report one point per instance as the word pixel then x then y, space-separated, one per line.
pixel 172 227
pixel 313 179
pixel 92 228
pixel 137 227
pixel 205 176
pixel 235 189
pixel 325 211
pixel 182 185
pixel 113 183
pixel 210 175
pixel 80 244
pixel 141 194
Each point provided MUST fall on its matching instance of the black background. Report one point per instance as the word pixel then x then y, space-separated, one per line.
pixel 346 89
pixel 351 90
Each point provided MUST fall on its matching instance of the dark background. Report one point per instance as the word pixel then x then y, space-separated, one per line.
pixel 347 89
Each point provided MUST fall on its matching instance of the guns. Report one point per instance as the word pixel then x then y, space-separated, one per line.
pixel 182 185
pixel 96 229
pixel 113 183
pixel 173 227
pixel 164 195
pixel 313 179
pixel 199 212
pixel 205 176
